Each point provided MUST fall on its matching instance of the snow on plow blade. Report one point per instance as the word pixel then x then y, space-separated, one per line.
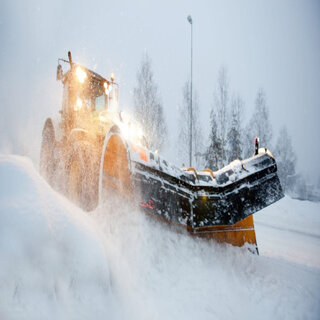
pixel 217 205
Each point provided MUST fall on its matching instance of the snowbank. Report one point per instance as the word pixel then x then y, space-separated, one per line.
pixel 159 274
pixel 52 263
pixel 57 262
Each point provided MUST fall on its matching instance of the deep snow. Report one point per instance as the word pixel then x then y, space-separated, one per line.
pixel 57 262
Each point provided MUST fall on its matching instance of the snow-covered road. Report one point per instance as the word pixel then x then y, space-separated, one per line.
pixel 290 229
pixel 57 262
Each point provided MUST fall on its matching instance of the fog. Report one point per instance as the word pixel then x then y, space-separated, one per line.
pixel 262 44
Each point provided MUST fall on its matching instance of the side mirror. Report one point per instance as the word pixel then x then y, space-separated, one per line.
pixel 116 94
pixel 59 72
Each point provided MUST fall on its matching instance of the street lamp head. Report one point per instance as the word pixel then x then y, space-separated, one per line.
pixel 189 19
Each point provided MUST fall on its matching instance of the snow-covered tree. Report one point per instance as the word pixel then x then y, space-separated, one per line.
pixel 300 190
pixel 184 129
pixel 259 125
pixel 235 130
pixel 213 152
pixel 148 107
pixel 219 116
pixel 285 157
pixel 221 100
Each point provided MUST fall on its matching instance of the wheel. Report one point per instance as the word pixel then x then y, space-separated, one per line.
pixel 82 174
pixel 47 161
pixel 115 177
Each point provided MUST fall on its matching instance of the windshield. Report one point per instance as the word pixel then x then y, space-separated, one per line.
pixel 100 102
pixel 90 96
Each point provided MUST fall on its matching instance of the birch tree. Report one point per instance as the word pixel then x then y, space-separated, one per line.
pixel 235 132
pixel 221 100
pixel 285 157
pixel 148 107
pixel 259 125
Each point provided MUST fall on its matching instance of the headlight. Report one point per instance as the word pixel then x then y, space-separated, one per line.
pixel 130 129
pixel 139 133
pixel 81 74
pixel 103 116
pixel 78 105
pixel 107 87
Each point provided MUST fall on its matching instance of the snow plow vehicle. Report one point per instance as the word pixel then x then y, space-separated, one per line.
pixel 94 151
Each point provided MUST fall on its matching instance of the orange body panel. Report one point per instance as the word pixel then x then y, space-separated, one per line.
pixel 142 152
pixel 115 167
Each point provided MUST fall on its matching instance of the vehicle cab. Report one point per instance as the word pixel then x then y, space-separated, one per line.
pixel 87 96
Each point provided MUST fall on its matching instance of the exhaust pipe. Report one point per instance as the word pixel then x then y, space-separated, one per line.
pixel 70 58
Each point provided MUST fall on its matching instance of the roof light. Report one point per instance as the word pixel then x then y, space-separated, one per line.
pixel 112 77
pixel 81 74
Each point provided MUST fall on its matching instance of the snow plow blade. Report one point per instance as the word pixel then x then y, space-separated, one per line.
pixel 238 234
pixel 219 207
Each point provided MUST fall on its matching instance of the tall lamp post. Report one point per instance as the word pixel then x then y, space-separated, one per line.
pixel 190 133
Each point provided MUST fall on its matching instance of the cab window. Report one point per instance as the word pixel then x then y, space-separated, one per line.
pixel 100 102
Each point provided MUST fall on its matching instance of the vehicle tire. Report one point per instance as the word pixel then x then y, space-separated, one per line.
pixel 115 176
pixel 47 161
pixel 82 175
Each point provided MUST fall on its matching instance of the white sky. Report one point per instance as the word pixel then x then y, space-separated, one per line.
pixel 269 44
